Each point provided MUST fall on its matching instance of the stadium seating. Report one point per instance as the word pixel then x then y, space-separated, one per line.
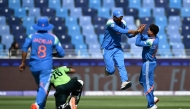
pixel 49 12
pixel 173 11
pixel 185 29
pixel 103 12
pixel 74 30
pixel 2 20
pixel 5 29
pixel 4 3
pixel 34 12
pixel 186 20
pixel 41 3
pixel 20 12
pixel 135 3
pixel 27 4
pixel 71 21
pixel 70 4
pixel 88 30
pixel 89 12
pixel 121 3
pixel 186 3
pixel 14 4
pixel 98 21
pixel 148 3
pixel 76 12
pixel 161 3
pixel 108 3
pixel 91 39
pixel 81 50
pixel 185 12
pixel 64 38
pixel 144 12
pixel 178 50
pixel 94 49
pixel 131 12
pixel 95 4
pixel 77 40
pixel 20 38
pixel 62 12
pixel 28 21
pixel 17 29
pixel 175 4
pixel 100 29
pixel 81 24
pixel 54 4
pixel 81 3
pixel 174 20
pixel 60 29
pixel 158 12
pixel 7 40
pixel 146 20
pixel 7 12
pixel 56 21
pixel 85 20
pixel 13 20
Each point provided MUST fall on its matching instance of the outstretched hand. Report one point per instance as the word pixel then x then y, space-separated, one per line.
pixel 141 28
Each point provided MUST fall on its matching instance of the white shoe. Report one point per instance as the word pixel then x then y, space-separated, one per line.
pixel 156 100
pixel 153 107
pixel 125 85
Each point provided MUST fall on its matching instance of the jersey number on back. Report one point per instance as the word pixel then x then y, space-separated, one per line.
pixel 42 51
pixel 56 74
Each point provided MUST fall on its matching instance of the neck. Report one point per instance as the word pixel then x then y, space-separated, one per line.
pixel 42 31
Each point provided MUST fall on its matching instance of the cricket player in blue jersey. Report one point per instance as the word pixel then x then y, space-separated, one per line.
pixel 150 45
pixel 42 44
pixel 112 50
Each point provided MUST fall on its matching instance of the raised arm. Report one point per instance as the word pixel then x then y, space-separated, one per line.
pixel 110 24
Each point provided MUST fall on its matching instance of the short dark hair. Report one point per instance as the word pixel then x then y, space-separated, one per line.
pixel 154 28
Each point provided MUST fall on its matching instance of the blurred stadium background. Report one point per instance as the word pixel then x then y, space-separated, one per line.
pixel 80 26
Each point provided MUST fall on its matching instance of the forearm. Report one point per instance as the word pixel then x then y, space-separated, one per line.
pixel 24 55
pixel 132 33
pixel 138 40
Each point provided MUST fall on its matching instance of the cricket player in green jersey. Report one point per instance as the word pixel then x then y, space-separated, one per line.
pixel 65 86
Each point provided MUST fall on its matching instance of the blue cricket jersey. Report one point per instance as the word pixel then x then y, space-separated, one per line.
pixel 150 46
pixel 42 45
pixel 113 34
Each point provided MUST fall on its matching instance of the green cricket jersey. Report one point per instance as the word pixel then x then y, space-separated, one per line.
pixel 59 76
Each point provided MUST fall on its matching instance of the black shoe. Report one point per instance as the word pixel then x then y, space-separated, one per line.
pixel 106 72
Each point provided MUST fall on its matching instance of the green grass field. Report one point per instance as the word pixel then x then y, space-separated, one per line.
pixel 102 102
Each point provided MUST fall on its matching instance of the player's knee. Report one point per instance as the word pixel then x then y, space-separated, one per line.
pixel 111 71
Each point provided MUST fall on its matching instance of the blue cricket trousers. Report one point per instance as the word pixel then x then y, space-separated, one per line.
pixel 146 79
pixel 112 57
pixel 42 79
